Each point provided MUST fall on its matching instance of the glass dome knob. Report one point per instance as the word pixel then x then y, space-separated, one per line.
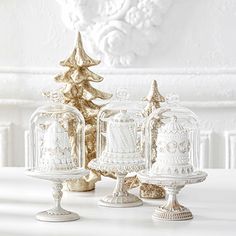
pixel 122 94
pixel 172 99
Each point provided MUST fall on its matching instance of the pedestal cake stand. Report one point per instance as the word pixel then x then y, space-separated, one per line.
pixel 171 210
pixel 57 213
pixel 120 196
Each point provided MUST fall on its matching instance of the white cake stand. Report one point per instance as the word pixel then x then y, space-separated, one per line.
pixel 57 213
pixel 171 210
pixel 120 197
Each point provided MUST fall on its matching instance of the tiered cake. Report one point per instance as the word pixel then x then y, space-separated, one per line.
pixel 173 148
pixel 121 140
pixel 56 150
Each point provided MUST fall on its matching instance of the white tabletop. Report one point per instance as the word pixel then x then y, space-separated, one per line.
pixel 212 202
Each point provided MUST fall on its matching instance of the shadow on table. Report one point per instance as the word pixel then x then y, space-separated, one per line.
pixel 214 219
pixel 22 201
pixel 11 215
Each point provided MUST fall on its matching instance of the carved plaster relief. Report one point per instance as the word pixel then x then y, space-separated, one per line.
pixel 118 31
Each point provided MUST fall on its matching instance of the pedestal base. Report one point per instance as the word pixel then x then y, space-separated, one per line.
pixel 57 213
pixel 161 213
pixel 120 196
pixel 49 217
pixel 171 209
pixel 128 200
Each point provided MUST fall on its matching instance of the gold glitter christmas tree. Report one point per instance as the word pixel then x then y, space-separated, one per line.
pixel 154 98
pixel 79 92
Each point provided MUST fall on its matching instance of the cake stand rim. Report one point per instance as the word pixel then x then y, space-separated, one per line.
pixel 58 176
pixel 164 180
pixel 117 167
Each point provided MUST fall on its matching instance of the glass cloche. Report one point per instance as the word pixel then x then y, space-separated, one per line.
pixel 177 141
pixel 120 145
pixel 172 132
pixel 56 139
pixel 56 153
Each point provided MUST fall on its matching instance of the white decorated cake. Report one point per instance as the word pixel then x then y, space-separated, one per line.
pixel 121 138
pixel 56 150
pixel 173 148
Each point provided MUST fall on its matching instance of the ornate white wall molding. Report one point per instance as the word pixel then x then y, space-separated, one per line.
pixel 5 144
pixel 205 149
pixel 230 149
pixel 214 86
pixel 26 139
pixel 21 103
pixel 124 71
pixel 118 31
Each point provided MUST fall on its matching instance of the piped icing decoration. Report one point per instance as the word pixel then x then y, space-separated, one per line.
pixel 121 139
pixel 173 127
pixel 56 150
pixel 173 148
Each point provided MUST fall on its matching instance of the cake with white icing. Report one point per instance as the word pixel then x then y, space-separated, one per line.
pixel 173 148
pixel 56 150
pixel 121 138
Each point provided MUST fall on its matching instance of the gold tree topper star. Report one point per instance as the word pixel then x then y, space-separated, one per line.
pixel 154 99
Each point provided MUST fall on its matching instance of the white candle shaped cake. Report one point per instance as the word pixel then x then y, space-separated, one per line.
pixel 121 138
pixel 56 149
pixel 173 147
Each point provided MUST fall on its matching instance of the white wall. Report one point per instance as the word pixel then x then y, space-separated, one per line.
pixel 193 34
pixel 194 57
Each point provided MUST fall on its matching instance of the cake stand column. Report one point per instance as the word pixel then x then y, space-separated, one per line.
pixel 57 213
pixel 120 196
pixel 172 210
pixel 119 189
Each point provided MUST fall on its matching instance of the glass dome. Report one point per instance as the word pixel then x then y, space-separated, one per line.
pixel 120 145
pixel 172 132
pixel 120 128
pixel 56 139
